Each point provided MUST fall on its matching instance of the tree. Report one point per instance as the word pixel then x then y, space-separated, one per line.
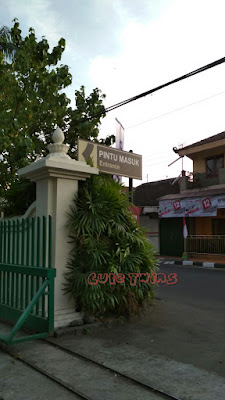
pixel 107 239
pixel 6 45
pixel 85 120
pixel 81 123
pixel 32 103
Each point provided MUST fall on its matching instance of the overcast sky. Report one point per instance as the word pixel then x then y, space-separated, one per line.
pixel 125 47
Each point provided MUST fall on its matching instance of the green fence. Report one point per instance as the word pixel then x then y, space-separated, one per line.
pixel 26 277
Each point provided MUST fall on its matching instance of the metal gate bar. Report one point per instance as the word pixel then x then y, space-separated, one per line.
pixel 206 244
pixel 26 277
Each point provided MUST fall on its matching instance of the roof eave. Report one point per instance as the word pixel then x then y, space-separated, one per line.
pixel 194 150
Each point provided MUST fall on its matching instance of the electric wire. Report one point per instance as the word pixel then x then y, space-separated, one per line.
pixel 139 96
pixel 154 156
pixel 153 164
pixel 175 110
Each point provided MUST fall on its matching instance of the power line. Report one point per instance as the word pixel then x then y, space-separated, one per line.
pixel 146 164
pixel 139 96
pixel 154 155
pixel 177 109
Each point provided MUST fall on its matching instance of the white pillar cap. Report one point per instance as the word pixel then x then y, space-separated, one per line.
pixel 57 148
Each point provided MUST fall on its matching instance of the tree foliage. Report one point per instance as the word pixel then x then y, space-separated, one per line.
pixel 21 195
pixel 81 125
pixel 106 239
pixel 32 103
pixel 6 45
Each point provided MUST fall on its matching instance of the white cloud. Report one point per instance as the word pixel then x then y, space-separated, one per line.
pixel 126 48
pixel 40 15
pixel 187 35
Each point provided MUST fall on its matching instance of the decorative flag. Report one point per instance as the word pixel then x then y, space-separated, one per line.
pixel 119 135
pixel 119 143
pixel 185 231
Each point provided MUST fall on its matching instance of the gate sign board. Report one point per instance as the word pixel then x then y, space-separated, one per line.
pixel 109 160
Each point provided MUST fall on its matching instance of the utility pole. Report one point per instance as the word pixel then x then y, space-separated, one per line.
pixel 131 186
pixel 182 166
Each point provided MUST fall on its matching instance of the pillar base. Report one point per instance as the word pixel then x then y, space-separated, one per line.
pixel 63 318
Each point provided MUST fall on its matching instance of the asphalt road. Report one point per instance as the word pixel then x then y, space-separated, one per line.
pixel 186 323
pixel 196 286
pixel 190 317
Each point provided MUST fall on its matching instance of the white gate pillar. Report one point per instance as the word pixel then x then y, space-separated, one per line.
pixel 56 178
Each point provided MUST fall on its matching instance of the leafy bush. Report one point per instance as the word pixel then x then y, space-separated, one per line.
pixel 107 239
pixel 16 200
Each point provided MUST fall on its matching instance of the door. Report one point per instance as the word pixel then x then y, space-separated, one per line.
pixel 171 237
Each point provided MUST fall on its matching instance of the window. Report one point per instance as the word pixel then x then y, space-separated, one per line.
pixel 213 165
pixel 218 226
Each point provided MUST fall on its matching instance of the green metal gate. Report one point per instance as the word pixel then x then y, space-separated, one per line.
pixel 26 277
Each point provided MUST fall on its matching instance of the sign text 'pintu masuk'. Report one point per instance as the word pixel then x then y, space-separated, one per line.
pixel 109 160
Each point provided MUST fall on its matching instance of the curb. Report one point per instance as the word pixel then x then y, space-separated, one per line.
pixel 192 263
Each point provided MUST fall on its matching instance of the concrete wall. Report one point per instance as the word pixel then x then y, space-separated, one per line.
pixel 204 226
pixel 152 227
pixel 199 165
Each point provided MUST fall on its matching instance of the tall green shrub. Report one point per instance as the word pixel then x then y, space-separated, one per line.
pixel 107 239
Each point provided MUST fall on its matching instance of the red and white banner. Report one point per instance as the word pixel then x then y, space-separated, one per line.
pixel 171 208
pixel 221 201
pixel 191 207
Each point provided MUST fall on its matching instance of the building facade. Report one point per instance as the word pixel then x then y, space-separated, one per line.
pixel 146 198
pixel 201 201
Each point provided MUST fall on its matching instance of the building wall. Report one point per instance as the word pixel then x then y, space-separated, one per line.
pixel 152 227
pixel 204 226
pixel 199 163
pixel 211 225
